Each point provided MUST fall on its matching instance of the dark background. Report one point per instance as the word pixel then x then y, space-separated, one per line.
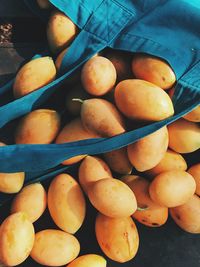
pixel 167 246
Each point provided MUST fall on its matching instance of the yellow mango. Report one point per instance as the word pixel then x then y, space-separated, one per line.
pixel 91 170
pixel 38 127
pixel 89 260
pixel 195 172
pixel 143 101
pixel 32 200
pixel 184 136
pixel 54 248
pixel 171 161
pixel 98 76
pixel 16 239
pixel 154 70
pixel 66 203
pixel 151 214
pixel 112 198
pixel 187 216
pixel 102 117
pixel 118 161
pixel 172 188
pixel 34 75
pixel 74 131
pixel 117 237
pixel 147 152
pixel 61 31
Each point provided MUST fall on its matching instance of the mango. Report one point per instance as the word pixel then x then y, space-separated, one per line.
pixel 59 58
pixel 143 101
pixel 118 161
pixel 61 31
pixel 74 131
pixel 66 203
pixel 121 62
pixel 44 4
pixel 195 172
pixel 91 170
pixel 151 214
pixel 184 136
pixel 117 237
pixel 16 239
pixel 154 70
pixel 118 199
pixel 89 260
pixel 11 183
pixel 54 248
pixel 34 75
pixel 172 188
pixel 40 126
pixel 98 76
pixel 147 152
pixel 171 161
pixel 101 117
pixel 32 200
pixel 187 216
pixel 193 115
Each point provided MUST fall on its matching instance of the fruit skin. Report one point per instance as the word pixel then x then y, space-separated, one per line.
pixel 118 199
pixel 59 58
pixel 153 214
pixel 16 239
pixel 44 4
pixel 172 188
pixel 32 200
pixel 11 183
pixel 34 75
pixel 66 203
pixel 171 161
pixel 187 216
pixel 118 161
pixel 147 152
pixel 101 117
pixel 194 115
pixel 89 260
pixel 195 172
pixel 91 170
pixel 118 238
pixel 74 131
pixel 143 101
pixel 54 248
pixel 98 76
pixel 38 127
pixel 154 70
pixel 184 136
pixel 61 31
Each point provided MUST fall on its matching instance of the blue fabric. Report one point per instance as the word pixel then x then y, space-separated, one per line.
pixel 168 29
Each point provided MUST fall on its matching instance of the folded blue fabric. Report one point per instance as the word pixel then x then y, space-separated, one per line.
pixel 168 29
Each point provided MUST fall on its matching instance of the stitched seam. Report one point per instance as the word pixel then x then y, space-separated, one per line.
pixel 194 86
pixel 148 39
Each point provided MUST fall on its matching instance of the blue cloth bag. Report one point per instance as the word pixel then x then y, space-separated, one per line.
pixel 165 28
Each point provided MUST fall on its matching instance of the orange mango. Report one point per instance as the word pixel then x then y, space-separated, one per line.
pixel 143 101
pixel 154 70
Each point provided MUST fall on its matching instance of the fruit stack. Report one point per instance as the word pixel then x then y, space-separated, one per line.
pixel 115 92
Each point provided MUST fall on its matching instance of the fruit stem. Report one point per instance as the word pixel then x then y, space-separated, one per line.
pixel 78 100
pixel 142 209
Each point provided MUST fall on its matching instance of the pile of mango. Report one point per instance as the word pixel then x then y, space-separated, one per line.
pixel 146 181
